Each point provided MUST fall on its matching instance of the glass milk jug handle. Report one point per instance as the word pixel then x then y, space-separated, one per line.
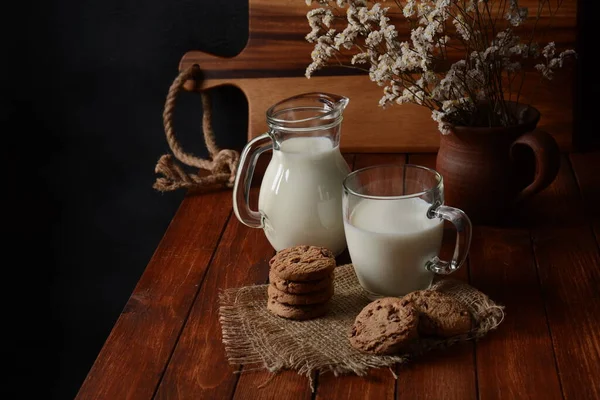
pixel 243 179
pixel 463 226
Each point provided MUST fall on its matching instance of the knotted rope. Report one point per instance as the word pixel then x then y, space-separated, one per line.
pixel 222 164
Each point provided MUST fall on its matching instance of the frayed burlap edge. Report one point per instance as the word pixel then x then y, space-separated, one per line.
pixel 255 338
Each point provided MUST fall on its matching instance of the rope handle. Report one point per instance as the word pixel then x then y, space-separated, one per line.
pixel 222 165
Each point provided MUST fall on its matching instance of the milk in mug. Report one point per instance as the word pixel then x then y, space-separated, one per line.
pixel 301 195
pixel 390 242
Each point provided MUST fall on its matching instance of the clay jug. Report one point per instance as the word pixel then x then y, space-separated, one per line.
pixel 487 171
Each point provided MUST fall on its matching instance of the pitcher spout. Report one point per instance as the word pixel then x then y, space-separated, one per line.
pixel 341 102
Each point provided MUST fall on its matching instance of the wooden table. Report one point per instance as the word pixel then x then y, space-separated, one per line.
pixel 545 269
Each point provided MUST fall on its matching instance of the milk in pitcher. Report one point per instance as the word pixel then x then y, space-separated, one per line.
pixel 301 194
pixel 390 243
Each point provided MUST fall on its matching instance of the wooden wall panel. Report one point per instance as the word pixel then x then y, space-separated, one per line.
pixel 271 68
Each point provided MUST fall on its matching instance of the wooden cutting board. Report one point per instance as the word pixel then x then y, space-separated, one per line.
pixel 271 68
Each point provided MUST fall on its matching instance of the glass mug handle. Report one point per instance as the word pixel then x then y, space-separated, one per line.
pixel 243 180
pixel 463 226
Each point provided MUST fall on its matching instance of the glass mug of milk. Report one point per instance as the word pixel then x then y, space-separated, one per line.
pixel 393 217
pixel 300 199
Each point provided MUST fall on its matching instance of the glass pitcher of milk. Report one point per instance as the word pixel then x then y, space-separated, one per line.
pixel 300 200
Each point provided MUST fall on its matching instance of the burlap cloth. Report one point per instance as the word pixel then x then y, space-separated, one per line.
pixel 256 338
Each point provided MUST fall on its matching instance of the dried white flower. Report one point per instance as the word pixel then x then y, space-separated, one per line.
pixel 360 58
pixel 382 71
pixel 430 31
pixel 549 50
pixel 374 39
pixel 350 3
pixel 328 19
pixel 552 63
pixel 431 78
pixel 519 49
pixel 318 18
pixel 390 94
pixel 545 70
pixel 322 52
pixel 516 15
pixel 374 14
pixel 390 34
pixel 412 71
pixel 410 8
pixel 424 10
pixel 489 53
pixel 312 36
pixel 346 38
pixel 462 28
pixel 412 94
pixel 444 127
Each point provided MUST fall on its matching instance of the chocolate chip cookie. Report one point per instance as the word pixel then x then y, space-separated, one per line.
pixel 303 263
pixel 439 314
pixel 385 326
pixel 295 287
pixel 299 313
pixel 300 299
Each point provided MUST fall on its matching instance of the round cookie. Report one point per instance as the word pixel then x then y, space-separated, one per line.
pixel 299 313
pixel 303 263
pixel 439 314
pixel 300 299
pixel 384 326
pixel 300 287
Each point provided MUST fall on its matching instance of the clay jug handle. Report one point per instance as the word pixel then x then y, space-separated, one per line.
pixel 547 161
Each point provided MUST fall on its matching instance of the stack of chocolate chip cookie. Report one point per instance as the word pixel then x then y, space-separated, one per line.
pixel 301 282
pixel 389 325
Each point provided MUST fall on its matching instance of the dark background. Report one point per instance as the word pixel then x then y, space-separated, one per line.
pixel 82 98
pixel 82 88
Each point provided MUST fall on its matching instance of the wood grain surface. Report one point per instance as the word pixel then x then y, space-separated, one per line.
pixel 271 68
pixel 544 266
pixel 514 362
pixel 262 385
pixel 138 349
pixel 568 262
pixel 198 367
